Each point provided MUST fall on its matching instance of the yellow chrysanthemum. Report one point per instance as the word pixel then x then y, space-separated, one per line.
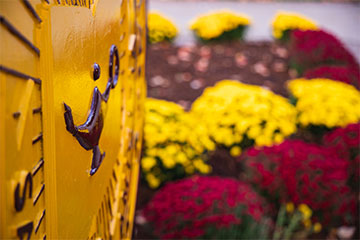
pixel 239 115
pixel 307 223
pixel 290 207
pixel 213 25
pixel 173 138
pixel 306 212
pixel 284 21
pixel 235 151
pixel 317 227
pixel 160 28
pixel 324 102
pixel 147 163
pixel 153 181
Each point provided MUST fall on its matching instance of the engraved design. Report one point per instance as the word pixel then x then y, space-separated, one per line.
pixel 96 71
pixel 18 74
pixel 88 134
pixel 82 3
pixel 20 201
pixel 24 188
pixel 25 229
pixel 37 167
pixel 32 10
pixel 17 34
pixel 39 194
pixel 40 221
pixel 37 138
pixel 16 115
pixel 37 110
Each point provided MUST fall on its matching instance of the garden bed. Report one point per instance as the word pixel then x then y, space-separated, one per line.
pixel 180 74
pixel 286 125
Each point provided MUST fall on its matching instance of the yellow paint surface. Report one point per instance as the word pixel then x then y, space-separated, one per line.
pixel 66 202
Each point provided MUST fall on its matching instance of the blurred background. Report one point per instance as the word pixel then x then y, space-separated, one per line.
pixel 252 121
pixel 339 17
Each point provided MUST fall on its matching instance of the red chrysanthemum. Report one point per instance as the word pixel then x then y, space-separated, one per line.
pixel 188 208
pixel 345 143
pixel 343 74
pixel 302 173
pixel 314 48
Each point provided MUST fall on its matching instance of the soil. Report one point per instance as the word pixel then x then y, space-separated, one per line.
pixel 180 74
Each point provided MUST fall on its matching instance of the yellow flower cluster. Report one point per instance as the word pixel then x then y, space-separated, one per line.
pixel 284 21
pixel 325 102
pixel 160 28
pixel 306 214
pixel 290 207
pixel 174 143
pixel 239 115
pixel 212 25
pixel 305 211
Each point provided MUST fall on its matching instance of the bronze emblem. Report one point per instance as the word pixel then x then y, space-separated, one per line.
pixel 88 134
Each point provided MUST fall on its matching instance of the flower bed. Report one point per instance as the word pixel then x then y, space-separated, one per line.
pixel 314 48
pixel 325 103
pixel 174 145
pixel 240 115
pixel 345 74
pixel 308 187
pixel 206 207
pixel 284 22
pixel 295 223
pixel 302 173
pixel 160 28
pixel 220 25
pixel 345 143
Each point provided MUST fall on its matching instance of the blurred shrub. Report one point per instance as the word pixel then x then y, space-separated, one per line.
pixel 174 143
pixel 325 103
pixel 295 223
pixel 343 74
pixel 160 28
pixel 302 173
pixel 207 207
pixel 284 22
pixel 309 49
pixel 239 115
pixel 345 143
pixel 220 25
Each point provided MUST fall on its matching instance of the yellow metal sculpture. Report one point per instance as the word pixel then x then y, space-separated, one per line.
pixel 72 89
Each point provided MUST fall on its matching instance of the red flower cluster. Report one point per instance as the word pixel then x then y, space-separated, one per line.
pixel 302 173
pixel 188 207
pixel 345 143
pixel 314 48
pixel 344 74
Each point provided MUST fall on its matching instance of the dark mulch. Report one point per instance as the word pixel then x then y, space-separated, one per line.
pixel 180 74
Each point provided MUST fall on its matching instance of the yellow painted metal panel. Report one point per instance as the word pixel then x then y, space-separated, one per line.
pixel 71 116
